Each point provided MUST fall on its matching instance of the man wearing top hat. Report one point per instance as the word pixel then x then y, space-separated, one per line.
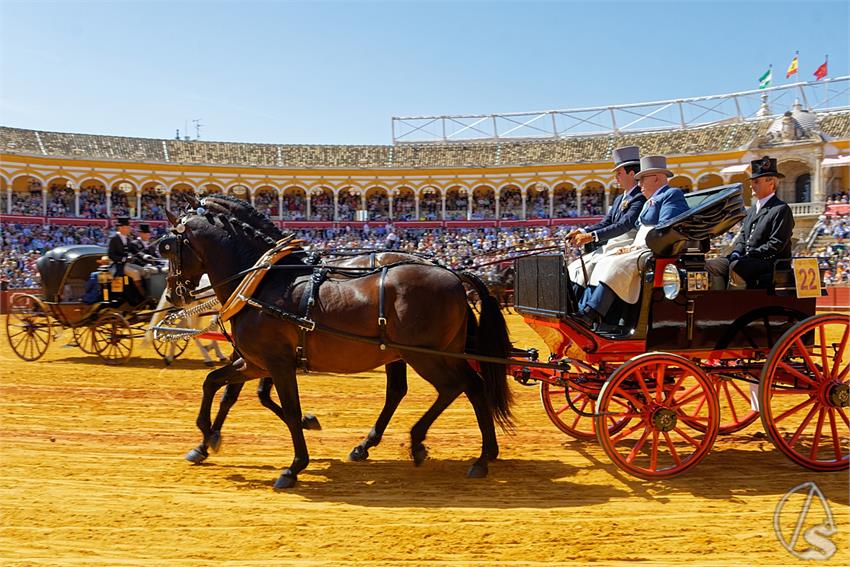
pixel 765 234
pixel 618 227
pixel 120 250
pixel 143 245
pixel 617 274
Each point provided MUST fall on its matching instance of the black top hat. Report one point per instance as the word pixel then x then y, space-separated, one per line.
pixel 145 228
pixel 122 221
pixel 765 167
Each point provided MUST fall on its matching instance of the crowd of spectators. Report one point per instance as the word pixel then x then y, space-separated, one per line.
pixel 838 198
pixel 831 248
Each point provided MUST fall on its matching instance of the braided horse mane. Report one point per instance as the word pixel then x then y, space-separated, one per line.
pixel 237 216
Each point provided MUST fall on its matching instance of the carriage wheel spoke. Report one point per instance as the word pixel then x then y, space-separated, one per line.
pixel 740 391
pixel 626 433
pixel 803 425
pixel 836 440
pixel 843 416
pixel 797 374
pixel 643 386
pixel 672 448
pixel 581 409
pixel 731 404
pixel 809 362
pixel 638 446
pixel 794 410
pixel 823 355
pixel 659 382
pixel 816 443
pixel 563 409
pixel 653 455
pixel 840 352
pixel 675 388
pixel 687 398
pixel 686 437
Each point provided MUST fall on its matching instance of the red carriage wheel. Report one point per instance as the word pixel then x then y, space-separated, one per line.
pixel 567 414
pixel 665 396
pixel 803 395
pixel 736 411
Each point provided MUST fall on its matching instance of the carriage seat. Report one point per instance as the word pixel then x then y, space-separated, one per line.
pixel 712 212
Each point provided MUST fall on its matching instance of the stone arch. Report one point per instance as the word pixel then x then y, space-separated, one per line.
pixel 377 198
pixel 483 202
pixel 709 180
pixel 61 198
pixel 682 181
pixel 179 196
pixel 537 200
pixel 349 201
pixel 210 188
pixel 787 187
pixel 27 195
pixel 93 198
pixel 266 199
pixel 294 203
pixel 747 187
pixel 404 203
pixel 592 198
pixel 153 199
pixel 510 201
pixel 457 202
pixel 321 203
pixel 564 200
pixel 239 189
pixel 430 203
pixel 122 201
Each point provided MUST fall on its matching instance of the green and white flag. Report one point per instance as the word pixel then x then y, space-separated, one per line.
pixel 764 80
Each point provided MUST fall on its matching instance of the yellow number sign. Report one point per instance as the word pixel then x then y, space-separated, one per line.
pixel 807 277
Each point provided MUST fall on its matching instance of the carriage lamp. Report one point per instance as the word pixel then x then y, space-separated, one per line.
pixel 671 281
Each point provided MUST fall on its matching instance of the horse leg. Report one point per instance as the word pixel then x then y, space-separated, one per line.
pixel 264 393
pixel 212 383
pixel 396 390
pixel 228 398
pixel 489 444
pixel 287 390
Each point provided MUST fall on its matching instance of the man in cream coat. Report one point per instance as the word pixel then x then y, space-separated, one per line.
pixel 618 227
pixel 618 273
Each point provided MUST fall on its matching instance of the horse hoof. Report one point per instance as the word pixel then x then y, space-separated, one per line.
pixel 168 360
pixel 478 470
pixel 420 453
pixel 197 456
pixel 215 441
pixel 310 421
pixel 358 454
pixel 284 481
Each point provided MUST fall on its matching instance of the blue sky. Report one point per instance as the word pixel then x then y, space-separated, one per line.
pixel 336 72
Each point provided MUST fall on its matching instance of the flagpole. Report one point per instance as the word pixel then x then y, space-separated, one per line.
pixel 826 83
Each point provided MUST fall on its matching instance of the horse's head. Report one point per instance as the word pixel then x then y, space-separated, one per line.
pixel 185 264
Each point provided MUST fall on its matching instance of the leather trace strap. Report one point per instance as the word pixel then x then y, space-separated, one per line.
pixel 382 320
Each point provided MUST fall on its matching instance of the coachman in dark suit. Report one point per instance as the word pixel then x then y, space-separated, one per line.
pixel 120 251
pixel 765 235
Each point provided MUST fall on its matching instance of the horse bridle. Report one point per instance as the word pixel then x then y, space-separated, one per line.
pixel 183 285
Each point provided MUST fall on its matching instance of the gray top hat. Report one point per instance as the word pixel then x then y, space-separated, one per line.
pixel 653 164
pixel 628 155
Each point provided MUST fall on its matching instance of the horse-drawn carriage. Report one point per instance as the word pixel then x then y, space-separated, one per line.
pixel 79 293
pixel 688 361
pixel 656 392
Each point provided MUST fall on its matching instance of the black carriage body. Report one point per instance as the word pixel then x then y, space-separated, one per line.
pixel 698 318
pixel 64 272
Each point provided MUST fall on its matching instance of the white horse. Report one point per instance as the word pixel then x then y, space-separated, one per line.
pixel 194 322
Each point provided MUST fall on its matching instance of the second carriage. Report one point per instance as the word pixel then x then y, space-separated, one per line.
pixel 78 292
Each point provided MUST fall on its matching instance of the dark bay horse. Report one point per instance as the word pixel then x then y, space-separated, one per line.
pixel 425 308
pixel 233 380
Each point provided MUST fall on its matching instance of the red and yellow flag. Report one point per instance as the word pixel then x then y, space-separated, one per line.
pixel 822 71
pixel 792 68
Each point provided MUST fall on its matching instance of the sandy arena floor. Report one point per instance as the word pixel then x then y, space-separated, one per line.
pixel 93 474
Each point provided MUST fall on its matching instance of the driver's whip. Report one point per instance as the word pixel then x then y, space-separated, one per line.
pixel 583 269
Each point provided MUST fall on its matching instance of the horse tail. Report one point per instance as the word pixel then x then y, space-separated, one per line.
pixel 489 337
